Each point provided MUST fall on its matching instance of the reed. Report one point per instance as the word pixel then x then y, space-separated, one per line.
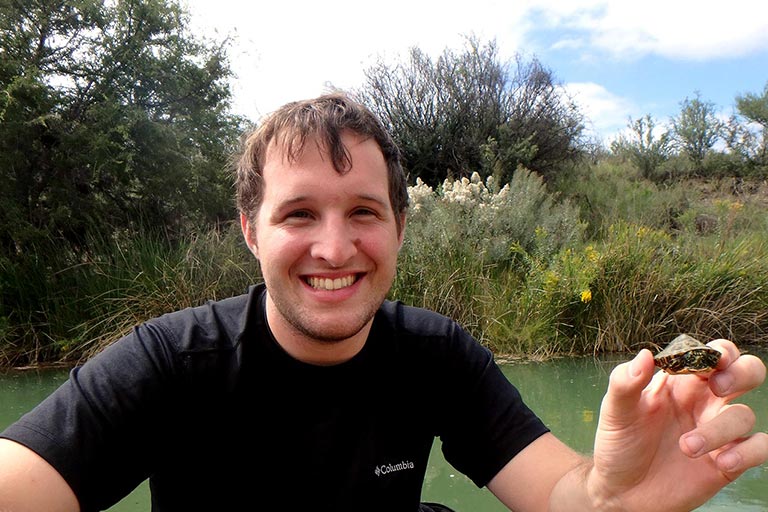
pixel 523 269
pixel 99 296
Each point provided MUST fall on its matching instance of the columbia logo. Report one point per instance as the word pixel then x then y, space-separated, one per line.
pixel 393 468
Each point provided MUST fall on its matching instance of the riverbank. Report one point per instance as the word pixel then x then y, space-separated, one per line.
pixel 616 265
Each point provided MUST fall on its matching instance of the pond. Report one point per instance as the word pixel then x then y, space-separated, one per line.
pixel 566 393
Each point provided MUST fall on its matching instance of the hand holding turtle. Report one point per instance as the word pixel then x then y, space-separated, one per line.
pixel 675 439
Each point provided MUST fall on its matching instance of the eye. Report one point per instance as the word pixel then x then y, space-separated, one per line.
pixel 299 214
pixel 297 217
pixel 364 211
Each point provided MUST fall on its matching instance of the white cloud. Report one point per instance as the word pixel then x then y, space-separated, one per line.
pixel 607 112
pixel 292 50
pixel 676 29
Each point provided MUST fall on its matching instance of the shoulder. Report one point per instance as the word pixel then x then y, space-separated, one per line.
pixel 415 321
pixel 211 326
pixel 431 332
pixel 198 339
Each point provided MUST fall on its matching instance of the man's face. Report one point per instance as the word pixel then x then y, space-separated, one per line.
pixel 327 244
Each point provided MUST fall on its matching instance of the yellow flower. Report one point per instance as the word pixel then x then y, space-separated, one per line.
pixel 551 279
pixel 591 253
pixel 586 296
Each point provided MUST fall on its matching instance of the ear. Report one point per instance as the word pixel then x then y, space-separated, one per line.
pixel 249 235
pixel 401 235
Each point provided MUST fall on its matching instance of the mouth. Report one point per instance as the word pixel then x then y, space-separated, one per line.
pixel 331 284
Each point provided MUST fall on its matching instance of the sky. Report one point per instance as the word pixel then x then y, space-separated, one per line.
pixel 617 59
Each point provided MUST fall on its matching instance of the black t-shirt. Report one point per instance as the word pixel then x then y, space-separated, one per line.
pixel 208 406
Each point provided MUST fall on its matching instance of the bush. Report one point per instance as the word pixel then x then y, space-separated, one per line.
pixel 466 109
pixel 509 263
pixel 639 289
pixel 61 308
pixel 608 193
pixel 468 236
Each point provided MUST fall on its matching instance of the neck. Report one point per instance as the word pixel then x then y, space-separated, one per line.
pixel 307 349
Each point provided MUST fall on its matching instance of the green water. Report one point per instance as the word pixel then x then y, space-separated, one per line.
pixel 566 393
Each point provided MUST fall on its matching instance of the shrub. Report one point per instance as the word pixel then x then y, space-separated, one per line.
pixel 467 237
pixel 608 193
pixel 59 307
pixel 640 288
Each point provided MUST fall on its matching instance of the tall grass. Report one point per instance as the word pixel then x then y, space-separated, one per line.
pixel 612 263
pixel 640 287
pixel 647 272
pixel 96 297
pixel 152 275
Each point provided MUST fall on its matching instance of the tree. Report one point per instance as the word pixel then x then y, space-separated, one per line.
pixel 112 115
pixel 467 112
pixel 754 108
pixel 696 129
pixel 642 146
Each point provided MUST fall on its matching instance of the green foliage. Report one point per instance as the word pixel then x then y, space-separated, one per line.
pixel 112 113
pixel 696 129
pixel 608 192
pixel 468 236
pixel 643 147
pixel 556 295
pixel 638 289
pixel 114 139
pixel 666 260
pixel 754 107
pixel 743 138
pixel 509 263
pixel 134 280
pixel 468 112
pixel 679 285
pixel 71 313
pixel 112 118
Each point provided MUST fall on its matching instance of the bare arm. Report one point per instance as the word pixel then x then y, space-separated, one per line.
pixel 29 484
pixel 536 469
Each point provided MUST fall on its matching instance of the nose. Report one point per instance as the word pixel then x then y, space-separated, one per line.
pixel 336 243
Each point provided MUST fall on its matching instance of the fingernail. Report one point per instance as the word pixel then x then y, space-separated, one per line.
pixel 729 461
pixel 695 444
pixel 723 383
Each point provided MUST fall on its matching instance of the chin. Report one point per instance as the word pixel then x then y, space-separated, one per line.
pixel 334 331
pixel 330 336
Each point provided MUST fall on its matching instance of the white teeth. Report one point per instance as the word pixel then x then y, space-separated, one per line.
pixel 324 283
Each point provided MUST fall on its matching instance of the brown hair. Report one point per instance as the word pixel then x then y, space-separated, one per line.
pixel 324 119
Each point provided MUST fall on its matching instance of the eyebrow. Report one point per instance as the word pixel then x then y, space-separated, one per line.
pixel 374 199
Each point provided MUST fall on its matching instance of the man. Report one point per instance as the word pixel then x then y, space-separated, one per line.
pixel 313 392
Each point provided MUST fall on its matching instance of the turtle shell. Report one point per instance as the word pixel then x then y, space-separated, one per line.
pixel 686 354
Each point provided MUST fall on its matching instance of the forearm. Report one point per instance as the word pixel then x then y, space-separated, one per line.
pixel 543 470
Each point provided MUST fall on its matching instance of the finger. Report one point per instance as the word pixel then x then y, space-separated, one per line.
pixel 625 387
pixel 733 422
pixel 749 453
pixel 729 350
pixel 736 374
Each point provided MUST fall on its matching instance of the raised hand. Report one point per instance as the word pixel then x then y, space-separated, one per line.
pixel 673 441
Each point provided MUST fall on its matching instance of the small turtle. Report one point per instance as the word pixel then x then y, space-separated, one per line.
pixel 687 355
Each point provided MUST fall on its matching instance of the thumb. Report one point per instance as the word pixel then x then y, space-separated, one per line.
pixel 625 386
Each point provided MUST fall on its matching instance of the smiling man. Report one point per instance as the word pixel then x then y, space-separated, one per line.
pixel 327 241
pixel 314 392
